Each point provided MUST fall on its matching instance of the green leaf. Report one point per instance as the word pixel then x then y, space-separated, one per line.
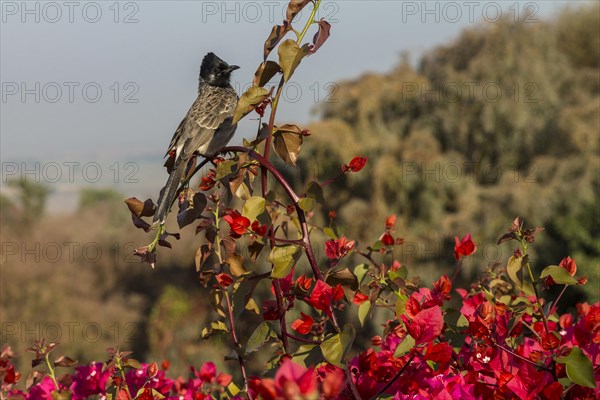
pixel 307 355
pixel 56 395
pixel 224 169
pixel 330 233
pixel 290 56
pixel 249 101
pixel 283 259
pixel 232 389
pixel 579 368
pixel 559 275
pixel 462 322
pixel 400 305
pixel 513 267
pixel 404 346
pixel 212 328
pixel 363 311
pixel 336 348
pixel 253 207
pixel 360 271
pixel 307 204
pixel 315 191
pixel 259 337
pixel 132 363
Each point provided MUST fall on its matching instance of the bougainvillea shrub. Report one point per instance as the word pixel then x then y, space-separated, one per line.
pixel 506 339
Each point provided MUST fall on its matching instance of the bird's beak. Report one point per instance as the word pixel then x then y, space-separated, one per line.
pixel 232 68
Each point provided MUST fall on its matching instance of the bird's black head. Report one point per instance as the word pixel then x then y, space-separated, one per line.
pixel 215 71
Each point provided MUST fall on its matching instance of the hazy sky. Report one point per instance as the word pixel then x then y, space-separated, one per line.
pixel 109 81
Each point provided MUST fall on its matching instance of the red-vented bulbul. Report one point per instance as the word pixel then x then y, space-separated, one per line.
pixel 205 130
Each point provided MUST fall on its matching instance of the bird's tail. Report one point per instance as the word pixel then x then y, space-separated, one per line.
pixel 167 195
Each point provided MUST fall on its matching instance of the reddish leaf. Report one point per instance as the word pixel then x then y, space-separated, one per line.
pixel 224 280
pixel 145 209
pixel 355 165
pixel 270 310
pixel 294 7
pixel 260 230
pixel 338 248
pixel 443 286
pixel 464 247
pixel 277 33
pixel 359 298
pixel 387 239
pixel 323 295
pixel 237 223
pixel 321 36
pixel 390 221
pixel 550 341
pixel 266 70
pixel 569 264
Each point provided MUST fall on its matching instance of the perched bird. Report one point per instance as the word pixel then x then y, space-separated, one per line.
pixel 205 130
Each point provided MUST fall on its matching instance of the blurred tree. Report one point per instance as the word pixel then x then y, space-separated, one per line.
pixel 504 121
pixel 90 198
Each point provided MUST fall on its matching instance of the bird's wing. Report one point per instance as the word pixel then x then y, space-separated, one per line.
pixel 211 108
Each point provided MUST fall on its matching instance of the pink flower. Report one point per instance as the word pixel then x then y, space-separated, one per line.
pixel 426 325
pixel 304 324
pixel 294 381
pixel 43 390
pixel 207 372
pixel 89 380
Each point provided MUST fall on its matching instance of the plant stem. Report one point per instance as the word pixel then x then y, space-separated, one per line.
pixel 122 373
pixel 310 21
pixel 552 308
pixel 236 343
pixel 520 357
pixel 370 258
pixel 306 244
pixel 282 309
pixel 281 240
pixel 303 340
pixel 217 239
pixel 353 388
pixel 387 385
pixel 51 371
